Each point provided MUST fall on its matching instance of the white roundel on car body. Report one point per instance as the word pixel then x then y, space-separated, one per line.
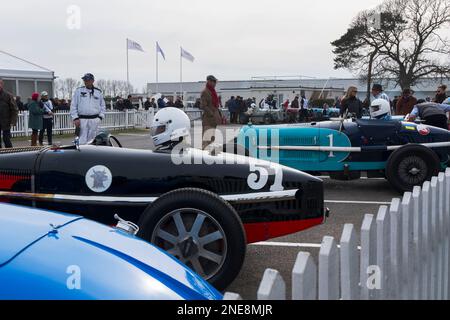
pixel 99 179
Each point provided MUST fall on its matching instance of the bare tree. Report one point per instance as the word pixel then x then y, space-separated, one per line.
pixel 417 50
pixel 359 49
pixel 407 45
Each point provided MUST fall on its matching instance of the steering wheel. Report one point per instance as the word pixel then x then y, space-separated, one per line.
pixel 114 139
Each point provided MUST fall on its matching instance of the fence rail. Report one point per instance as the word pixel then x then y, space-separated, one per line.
pixel 114 120
pixel 402 254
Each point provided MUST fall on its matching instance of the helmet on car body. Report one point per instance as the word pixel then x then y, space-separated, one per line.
pixel 380 108
pixel 170 125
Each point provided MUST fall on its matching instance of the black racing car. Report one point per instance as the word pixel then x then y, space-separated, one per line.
pixel 202 211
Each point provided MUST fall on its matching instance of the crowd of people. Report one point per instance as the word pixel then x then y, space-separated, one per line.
pixel 41 108
pixel 58 104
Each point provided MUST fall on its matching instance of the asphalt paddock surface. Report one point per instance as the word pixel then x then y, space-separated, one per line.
pixel 348 201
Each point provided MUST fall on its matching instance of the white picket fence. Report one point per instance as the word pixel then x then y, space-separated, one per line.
pixel 114 120
pixel 401 254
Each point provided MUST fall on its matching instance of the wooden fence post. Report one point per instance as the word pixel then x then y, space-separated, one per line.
pixel 229 296
pixel 417 241
pixel 396 247
pixel 368 255
pixel 407 247
pixel 440 226
pixel 383 251
pixel 433 241
pixel 304 278
pixel 272 286
pixel 25 116
pixel 349 264
pixel 426 244
pixel 447 232
pixel 329 270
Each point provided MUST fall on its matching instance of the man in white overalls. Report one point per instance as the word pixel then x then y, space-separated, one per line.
pixel 88 109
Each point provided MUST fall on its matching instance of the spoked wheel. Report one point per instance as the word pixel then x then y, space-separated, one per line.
pixel 195 238
pixel 411 166
pixel 413 170
pixel 200 229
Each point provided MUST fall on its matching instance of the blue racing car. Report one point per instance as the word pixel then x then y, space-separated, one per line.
pixel 52 256
pixel 405 153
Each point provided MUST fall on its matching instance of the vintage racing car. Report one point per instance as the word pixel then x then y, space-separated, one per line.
pixel 201 208
pixel 405 153
pixel 52 256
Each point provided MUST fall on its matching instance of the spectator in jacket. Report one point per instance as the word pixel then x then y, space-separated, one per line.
pixel 303 108
pixel 294 110
pixel 8 116
pixel 441 94
pixel 351 103
pixel 179 104
pixel 128 104
pixel 232 108
pixel 35 120
pixel 150 104
pixel 47 124
pixel 147 104
pixel 286 105
pixel 20 104
pixel 120 106
pixel 434 114
pixel 406 103
pixel 211 115
pixel 197 104
pixel 162 102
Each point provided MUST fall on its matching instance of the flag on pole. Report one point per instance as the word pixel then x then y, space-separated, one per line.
pixel 159 50
pixel 133 45
pixel 187 55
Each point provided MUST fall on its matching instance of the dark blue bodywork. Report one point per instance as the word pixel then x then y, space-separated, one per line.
pixel 372 136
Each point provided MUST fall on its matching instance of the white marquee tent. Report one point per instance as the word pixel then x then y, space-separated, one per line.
pixel 22 77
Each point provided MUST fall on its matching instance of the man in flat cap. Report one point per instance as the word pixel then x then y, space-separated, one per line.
pixel 210 103
pixel 88 109
pixel 378 93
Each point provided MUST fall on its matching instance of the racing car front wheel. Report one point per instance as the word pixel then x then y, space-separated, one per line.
pixel 201 230
pixel 411 166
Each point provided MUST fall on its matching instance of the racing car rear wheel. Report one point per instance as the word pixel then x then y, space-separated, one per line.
pixel 201 230
pixel 411 166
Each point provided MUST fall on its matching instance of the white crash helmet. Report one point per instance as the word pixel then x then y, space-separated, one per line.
pixel 380 108
pixel 170 124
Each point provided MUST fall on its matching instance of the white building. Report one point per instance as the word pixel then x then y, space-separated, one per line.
pixel 288 88
pixel 22 77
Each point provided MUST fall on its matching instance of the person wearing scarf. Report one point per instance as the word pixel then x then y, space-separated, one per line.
pixel 210 104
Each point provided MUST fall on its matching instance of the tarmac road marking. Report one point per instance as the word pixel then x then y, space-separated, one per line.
pixel 132 135
pixel 378 203
pixel 362 178
pixel 290 245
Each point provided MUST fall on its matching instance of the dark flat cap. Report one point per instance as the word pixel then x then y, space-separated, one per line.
pixel 88 76
pixel 377 87
pixel 211 78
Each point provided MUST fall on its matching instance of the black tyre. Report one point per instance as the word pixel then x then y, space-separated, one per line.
pixel 411 166
pixel 201 230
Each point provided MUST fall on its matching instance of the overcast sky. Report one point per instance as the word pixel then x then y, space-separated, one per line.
pixel 232 39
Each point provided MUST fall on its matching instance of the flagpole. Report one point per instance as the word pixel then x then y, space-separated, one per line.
pixel 157 69
pixel 128 71
pixel 181 75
